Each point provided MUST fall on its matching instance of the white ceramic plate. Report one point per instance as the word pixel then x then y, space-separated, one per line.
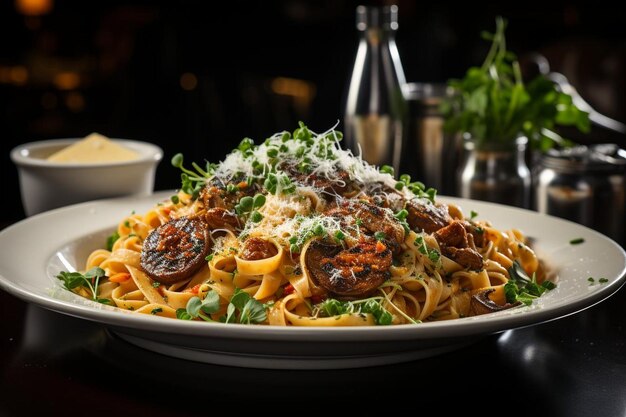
pixel 36 249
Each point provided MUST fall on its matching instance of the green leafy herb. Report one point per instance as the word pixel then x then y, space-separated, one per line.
pixel 156 310
pixel 433 254
pixel 381 315
pixel 473 215
pixel 577 241
pixel 332 308
pixel 401 216
pixel 421 245
pixel 495 106
pixel 181 314
pixel 256 217
pixel 244 309
pixel 380 236
pixel 418 188
pixel 244 205
pixel 89 280
pixel 156 284
pixel 175 199
pixel 192 181
pixel 112 239
pixel 247 207
pixel 200 308
pixel 603 280
pixel 523 288
pixel 279 183
pixel 386 169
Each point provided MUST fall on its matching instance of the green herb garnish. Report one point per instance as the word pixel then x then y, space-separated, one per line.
pixel 577 241
pixel 197 308
pixel 495 106
pixel 523 288
pixel 242 308
pixel 112 239
pixel 193 181
pixel 89 280
pixel 331 308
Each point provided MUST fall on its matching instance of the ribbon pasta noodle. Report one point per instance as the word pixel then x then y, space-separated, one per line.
pixel 299 232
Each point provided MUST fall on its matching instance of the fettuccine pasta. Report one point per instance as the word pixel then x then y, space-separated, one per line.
pixel 299 232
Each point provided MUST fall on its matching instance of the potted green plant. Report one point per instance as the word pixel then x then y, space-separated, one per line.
pixel 499 115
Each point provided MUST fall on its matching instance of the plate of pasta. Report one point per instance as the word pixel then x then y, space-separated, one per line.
pixel 295 253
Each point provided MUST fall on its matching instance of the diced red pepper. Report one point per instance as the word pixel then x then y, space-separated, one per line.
pixel 194 290
pixel 289 289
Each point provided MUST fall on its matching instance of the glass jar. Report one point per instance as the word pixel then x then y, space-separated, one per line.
pixel 496 172
pixel 429 152
pixel 376 108
pixel 586 185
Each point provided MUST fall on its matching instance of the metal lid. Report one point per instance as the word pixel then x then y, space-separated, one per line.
pixel 606 158
pixel 427 92
pixel 377 17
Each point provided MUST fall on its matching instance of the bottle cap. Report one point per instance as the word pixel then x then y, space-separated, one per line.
pixel 377 17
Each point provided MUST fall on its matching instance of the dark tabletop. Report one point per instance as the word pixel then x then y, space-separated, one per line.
pixel 574 366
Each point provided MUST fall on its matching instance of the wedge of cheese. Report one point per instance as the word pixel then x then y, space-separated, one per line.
pixel 93 149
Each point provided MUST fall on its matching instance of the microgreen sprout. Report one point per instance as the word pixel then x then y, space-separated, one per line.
pixel 90 280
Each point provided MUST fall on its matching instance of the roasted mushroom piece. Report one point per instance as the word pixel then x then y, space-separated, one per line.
pixel 426 216
pixel 337 184
pixel 220 218
pixel 453 240
pixel 256 248
pixel 175 250
pixel 349 273
pixel 480 303
pixel 372 219
pixel 226 194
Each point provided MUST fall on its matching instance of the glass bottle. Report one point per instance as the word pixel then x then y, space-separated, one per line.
pixel 496 172
pixel 376 108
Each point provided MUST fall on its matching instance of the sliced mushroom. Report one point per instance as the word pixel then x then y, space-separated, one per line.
pixel 480 303
pixel 220 218
pixel 453 240
pixel 337 184
pixel 476 233
pixel 427 217
pixel 372 219
pixel 175 250
pixel 349 273
pixel 466 257
pixel 256 248
pixel 217 192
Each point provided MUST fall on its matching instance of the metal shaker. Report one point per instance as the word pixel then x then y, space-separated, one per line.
pixel 586 185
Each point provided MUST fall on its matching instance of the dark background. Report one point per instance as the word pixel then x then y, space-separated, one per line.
pixel 197 82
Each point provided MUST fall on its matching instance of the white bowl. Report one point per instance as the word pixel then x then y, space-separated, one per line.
pixel 46 185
